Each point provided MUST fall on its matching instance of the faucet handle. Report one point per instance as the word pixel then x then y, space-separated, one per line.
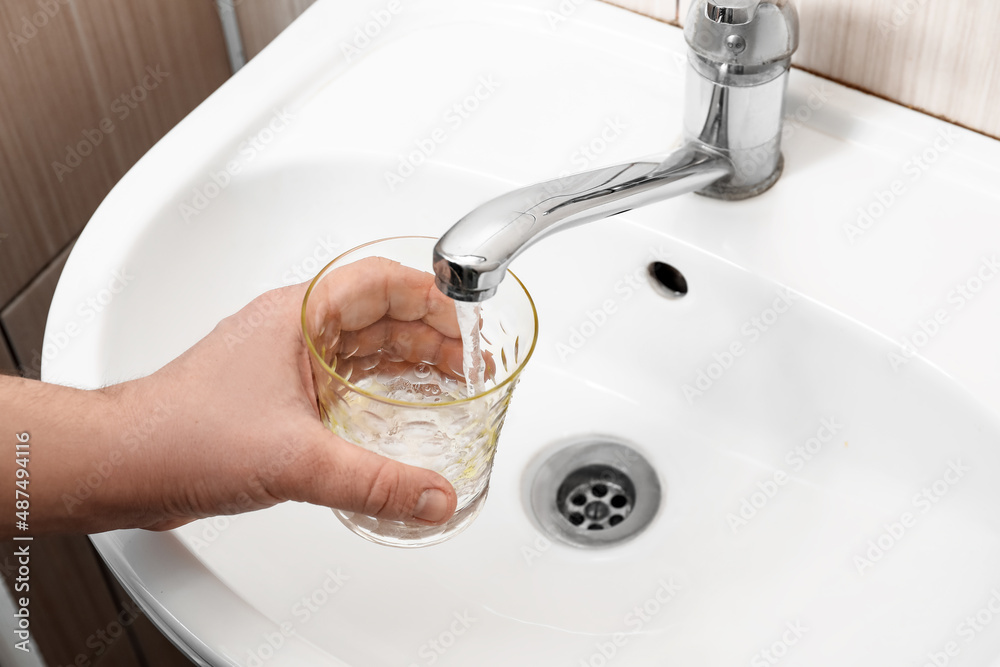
pixel 745 33
pixel 732 12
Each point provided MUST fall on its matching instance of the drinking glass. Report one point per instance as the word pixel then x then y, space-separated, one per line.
pixel 388 363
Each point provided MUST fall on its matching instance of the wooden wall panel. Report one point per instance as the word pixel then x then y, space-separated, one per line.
pixel 24 317
pixel 70 603
pixel 63 75
pixel 261 21
pixel 7 363
pixel 934 55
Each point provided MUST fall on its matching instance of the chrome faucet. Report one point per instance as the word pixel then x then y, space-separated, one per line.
pixel 738 60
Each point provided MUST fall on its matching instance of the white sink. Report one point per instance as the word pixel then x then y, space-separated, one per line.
pixel 829 498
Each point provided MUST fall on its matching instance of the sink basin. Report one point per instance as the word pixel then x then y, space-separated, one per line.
pixel 821 407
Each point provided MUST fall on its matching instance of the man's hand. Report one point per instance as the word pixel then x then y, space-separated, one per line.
pixel 231 425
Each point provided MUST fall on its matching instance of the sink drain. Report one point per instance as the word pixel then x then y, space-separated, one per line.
pixel 596 492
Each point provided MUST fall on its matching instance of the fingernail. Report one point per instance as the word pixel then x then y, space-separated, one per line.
pixel 432 506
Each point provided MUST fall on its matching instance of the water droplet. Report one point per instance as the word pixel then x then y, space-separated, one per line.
pixel 428 389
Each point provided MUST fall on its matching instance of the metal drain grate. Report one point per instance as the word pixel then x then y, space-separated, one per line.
pixel 596 497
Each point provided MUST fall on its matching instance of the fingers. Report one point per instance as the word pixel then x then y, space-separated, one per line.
pixel 360 294
pixel 414 342
pixel 347 477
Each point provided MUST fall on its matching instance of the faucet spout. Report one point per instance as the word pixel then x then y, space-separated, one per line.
pixel 472 257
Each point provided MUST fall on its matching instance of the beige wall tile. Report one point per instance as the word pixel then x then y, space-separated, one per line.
pixel 933 55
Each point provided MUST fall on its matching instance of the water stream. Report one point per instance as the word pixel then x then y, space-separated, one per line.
pixel 473 364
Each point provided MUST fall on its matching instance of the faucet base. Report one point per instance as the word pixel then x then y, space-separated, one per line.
pixel 722 190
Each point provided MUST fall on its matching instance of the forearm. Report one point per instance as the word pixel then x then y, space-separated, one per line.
pixel 75 451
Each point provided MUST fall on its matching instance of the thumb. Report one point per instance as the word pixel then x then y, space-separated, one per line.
pixel 344 476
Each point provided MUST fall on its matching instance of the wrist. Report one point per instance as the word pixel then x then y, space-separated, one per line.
pixel 105 482
pixel 131 469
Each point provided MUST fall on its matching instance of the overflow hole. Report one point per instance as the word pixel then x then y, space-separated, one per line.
pixel 667 280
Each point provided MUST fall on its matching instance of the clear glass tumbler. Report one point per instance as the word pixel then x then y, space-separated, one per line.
pixel 387 362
